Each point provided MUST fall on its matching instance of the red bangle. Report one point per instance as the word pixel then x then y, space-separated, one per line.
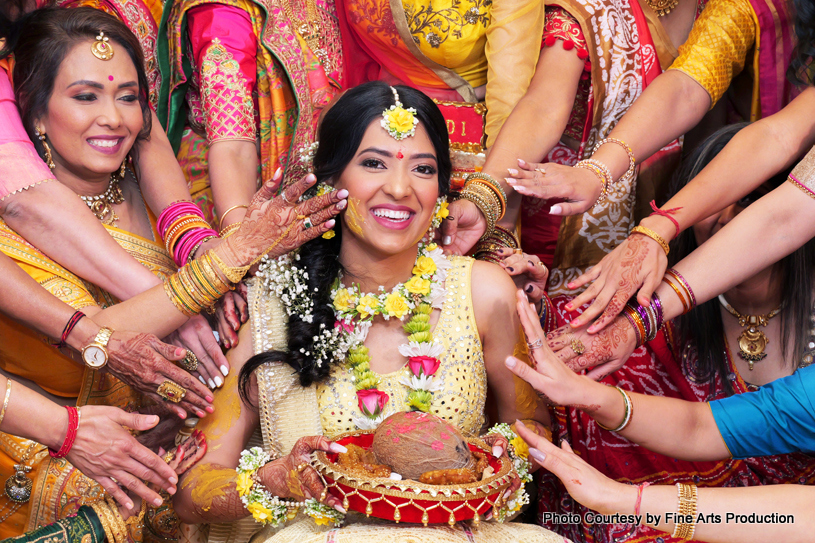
pixel 667 214
pixel 640 488
pixel 70 437
pixel 69 327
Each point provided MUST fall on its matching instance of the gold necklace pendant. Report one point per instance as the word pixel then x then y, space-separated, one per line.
pixel 752 343
pixel 662 7
pixel 18 486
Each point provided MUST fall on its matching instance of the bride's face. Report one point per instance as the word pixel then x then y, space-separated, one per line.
pixel 93 115
pixel 392 190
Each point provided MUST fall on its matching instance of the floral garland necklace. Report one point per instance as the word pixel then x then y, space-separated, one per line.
pixel 414 299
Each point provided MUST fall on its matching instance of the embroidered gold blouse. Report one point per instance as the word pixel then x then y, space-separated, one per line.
pixel 462 374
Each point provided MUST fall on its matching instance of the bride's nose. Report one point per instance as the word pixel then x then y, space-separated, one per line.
pixel 398 184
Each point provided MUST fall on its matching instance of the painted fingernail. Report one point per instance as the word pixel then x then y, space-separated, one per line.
pixel 528 288
pixel 341 205
pixel 236 327
pixel 510 180
pixel 224 370
pixel 510 361
pixel 507 494
pixel 209 399
pixel 510 269
pixel 571 286
pixel 311 178
pixel 570 306
pixel 202 380
pixel 512 171
pixel 342 194
pixel 278 172
pixel 337 448
pixel 211 383
pixel 218 380
pixel 447 240
pixel 555 210
pixel 496 451
pixel 200 414
pixel 521 162
pixel 330 223
pixel 539 456
pixel 157 502
pixel 210 409
pixel 340 508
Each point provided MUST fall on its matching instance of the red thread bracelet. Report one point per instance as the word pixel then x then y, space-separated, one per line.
pixel 69 327
pixel 70 437
pixel 667 213
pixel 640 488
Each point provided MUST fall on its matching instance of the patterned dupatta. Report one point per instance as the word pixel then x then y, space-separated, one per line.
pixel 292 85
pixel 628 49
pixel 662 367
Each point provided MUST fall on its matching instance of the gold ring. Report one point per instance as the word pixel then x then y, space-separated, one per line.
pixel 300 217
pixel 169 457
pixel 301 467
pixel 189 362
pixel 537 344
pixel 518 251
pixel 541 170
pixel 171 391
pixel 283 196
pixel 577 345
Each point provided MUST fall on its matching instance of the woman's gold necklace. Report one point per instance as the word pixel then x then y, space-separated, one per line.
pixel 752 341
pixel 102 204
pixel 662 7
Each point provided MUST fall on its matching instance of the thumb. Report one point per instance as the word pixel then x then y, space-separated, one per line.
pixel 269 188
pixel 449 230
pixel 524 371
pixel 135 421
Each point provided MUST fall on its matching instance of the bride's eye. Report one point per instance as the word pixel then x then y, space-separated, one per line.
pixel 426 169
pixel 129 98
pixel 373 163
pixel 85 97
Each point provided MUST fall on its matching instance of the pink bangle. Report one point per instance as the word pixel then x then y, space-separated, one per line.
pixel 70 437
pixel 640 488
pixel 173 211
pixel 189 240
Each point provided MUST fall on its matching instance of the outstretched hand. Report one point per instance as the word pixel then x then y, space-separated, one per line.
pixel 579 188
pixel 528 272
pixel 602 353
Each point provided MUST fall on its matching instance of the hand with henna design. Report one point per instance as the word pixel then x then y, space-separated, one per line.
pixel 293 477
pixel 196 336
pixel 605 352
pixel 276 225
pixel 144 362
pixel 462 228
pixel 231 312
pixel 637 263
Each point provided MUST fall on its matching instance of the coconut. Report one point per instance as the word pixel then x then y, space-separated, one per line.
pixel 412 443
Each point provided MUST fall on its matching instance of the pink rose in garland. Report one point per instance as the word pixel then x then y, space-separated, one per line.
pixel 423 365
pixel 372 401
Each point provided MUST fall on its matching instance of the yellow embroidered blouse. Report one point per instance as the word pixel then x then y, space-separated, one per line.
pixel 462 373
pixel 716 49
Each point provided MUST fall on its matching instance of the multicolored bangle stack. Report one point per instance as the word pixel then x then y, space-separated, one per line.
pixel 601 171
pixel 486 193
pixel 74 415
pixel 111 520
pixel 682 289
pixel 183 228
pixel 632 162
pixel 487 247
pixel 688 497
pixel 197 286
pixel 646 320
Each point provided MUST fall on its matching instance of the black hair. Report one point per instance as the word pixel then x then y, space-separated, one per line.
pixel 11 12
pixel 703 326
pixel 340 134
pixel 46 36
pixel 800 69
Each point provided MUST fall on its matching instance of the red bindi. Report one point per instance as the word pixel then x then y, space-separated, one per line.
pixel 110 78
pixel 399 155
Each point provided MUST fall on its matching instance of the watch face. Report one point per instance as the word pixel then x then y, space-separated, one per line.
pixel 94 356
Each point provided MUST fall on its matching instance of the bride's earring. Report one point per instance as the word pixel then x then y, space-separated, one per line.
pixel 123 169
pixel 48 159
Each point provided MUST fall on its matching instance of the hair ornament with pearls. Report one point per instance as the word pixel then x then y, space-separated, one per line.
pixel 398 121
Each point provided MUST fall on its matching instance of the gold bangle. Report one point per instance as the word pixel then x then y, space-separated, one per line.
pixel 601 171
pixel 233 275
pixel 687 496
pixel 211 275
pixel 233 208
pixel 198 274
pixel 171 290
pixel 627 414
pixel 103 514
pixel 486 201
pixel 492 185
pixel 229 230
pixel 119 527
pixel 632 162
pixel 645 231
pixel 5 401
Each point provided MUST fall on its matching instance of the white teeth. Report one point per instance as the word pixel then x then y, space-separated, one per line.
pixel 104 143
pixel 392 214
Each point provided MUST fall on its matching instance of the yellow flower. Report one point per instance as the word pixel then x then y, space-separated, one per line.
pixel 400 120
pixel 443 212
pixel 320 520
pixel 520 446
pixel 432 246
pixel 245 483
pixel 396 306
pixel 329 234
pixel 417 285
pixel 259 513
pixel 424 266
pixel 367 302
pixel 343 301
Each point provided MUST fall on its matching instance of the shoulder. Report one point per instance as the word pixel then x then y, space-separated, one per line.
pixel 493 292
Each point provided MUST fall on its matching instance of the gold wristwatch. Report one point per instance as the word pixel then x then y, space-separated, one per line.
pixel 95 354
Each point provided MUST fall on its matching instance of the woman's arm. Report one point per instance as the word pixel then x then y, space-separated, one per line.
pixel 596 491
pixel 500 330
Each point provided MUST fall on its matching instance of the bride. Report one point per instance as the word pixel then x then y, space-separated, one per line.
pixel 319 356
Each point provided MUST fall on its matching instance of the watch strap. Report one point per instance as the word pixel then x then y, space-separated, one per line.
pixel 103 337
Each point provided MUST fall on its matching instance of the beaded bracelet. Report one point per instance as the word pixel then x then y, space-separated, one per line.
pixel 69 327
pixel 632 162
pixel 653 235
pixel 601 171
pixel 74 415
pixel 687 495
pixel 629 411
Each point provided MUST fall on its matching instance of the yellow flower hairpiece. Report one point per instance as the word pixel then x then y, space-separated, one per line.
pixel 398 121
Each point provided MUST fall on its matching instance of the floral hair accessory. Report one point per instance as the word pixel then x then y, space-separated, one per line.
pixel 398 121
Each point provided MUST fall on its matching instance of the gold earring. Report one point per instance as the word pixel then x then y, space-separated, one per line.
pixel 123 169
pixel 48 159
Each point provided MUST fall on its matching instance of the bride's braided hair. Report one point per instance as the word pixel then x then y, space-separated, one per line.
pixel 340 134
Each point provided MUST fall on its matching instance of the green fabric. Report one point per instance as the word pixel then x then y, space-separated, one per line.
pixel 68 530
pixel 172 108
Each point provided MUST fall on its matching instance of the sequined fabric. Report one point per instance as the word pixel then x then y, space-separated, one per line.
pixel 462 372
pixel 803 175
pixel 717 46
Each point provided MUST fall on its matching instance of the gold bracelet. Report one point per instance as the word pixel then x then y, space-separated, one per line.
pixel 212 276
pixel 102 513
pixel 487 249
pixel 492 185
pixel 233 275
pixel 197 272
pixel 687 499
pixel 176 299
pixel 681 290
pixel 5 401
pixel 486 201
pixel 632 162
pixel 645 231
pixel 229 230
pixel 233 208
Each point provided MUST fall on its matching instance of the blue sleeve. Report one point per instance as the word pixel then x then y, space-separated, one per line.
pixel 779 418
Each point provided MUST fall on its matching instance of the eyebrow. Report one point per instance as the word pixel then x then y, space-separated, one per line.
pixel 388 154
pixel 95 85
